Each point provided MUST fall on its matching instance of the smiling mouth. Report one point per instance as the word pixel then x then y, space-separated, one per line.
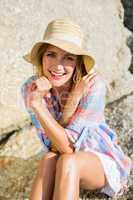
pixel 57 75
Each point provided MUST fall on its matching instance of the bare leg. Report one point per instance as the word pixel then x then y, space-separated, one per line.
pixel 67 179
pixel 44 181
pixel 79 169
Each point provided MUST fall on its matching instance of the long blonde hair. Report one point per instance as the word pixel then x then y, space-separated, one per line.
pixel 38 70
pixel 78 73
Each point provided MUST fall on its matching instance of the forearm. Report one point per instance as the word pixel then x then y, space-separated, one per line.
pixel 77 92
pixel 70 108
pixel 53 129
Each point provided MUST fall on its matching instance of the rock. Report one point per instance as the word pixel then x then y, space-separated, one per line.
pixel 21 150
pixel 11 119
pixel 128 22
pixel 128 19
pixel 118 115
pixel 103 24
pixel 19 159
pixel 20 155
pixel 23 144
pixel 16 177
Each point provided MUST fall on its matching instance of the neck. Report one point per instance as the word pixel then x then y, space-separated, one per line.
pixel 64 88
pixel 62 94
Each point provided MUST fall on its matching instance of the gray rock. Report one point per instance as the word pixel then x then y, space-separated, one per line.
pixel 23 22
pixel 128 19
pixel 20 155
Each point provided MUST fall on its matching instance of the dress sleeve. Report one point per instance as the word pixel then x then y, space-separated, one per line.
pixel 88 130
pixel 89 112
pixel 40 131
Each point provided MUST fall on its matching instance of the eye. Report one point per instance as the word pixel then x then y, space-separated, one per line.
pixel 52 55
pixel 70 58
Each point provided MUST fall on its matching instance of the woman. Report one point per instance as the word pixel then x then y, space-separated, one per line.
pixel 66 100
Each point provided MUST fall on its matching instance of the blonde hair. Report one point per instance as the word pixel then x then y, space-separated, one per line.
pixel 78 73
pixel 38 70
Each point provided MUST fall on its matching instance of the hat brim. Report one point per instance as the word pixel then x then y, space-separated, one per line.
pixel 62 44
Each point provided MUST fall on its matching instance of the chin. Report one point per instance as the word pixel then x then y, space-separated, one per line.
pixel 58 83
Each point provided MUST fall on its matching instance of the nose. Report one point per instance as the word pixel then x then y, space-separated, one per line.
pixel 59 63
pixel 59 67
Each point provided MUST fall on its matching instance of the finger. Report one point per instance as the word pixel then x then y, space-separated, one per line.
pixel 33 86
pixel 92 74
pixel 43 80
pixel 40 83
pixel 89 75
pixel 91 80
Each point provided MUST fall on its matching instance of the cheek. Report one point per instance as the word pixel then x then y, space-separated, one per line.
pixel 70 69
pixel 45 65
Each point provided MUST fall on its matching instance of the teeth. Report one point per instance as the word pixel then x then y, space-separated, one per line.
pixel 58 74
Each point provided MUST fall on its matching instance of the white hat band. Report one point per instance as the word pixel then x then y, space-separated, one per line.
pixel 68 38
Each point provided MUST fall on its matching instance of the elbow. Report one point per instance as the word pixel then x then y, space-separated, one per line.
pixel 67 150
pixel 70 150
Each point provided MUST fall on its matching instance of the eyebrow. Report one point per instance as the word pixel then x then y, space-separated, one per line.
pixel 67 54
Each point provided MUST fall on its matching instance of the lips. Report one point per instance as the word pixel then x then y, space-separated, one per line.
pixel 57 75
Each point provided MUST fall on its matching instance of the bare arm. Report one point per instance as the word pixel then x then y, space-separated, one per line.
pixel 53 129
pixel 55 132
pixel 74 98
pixel 70 107
pixel 35 101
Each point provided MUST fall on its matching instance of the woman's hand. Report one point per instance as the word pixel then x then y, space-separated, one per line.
pixel 37 90
pixel 75 95
pixel 84 84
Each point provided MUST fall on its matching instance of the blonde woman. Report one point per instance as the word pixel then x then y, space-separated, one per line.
pixel 66 99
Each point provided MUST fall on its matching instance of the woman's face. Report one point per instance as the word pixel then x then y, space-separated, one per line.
pixel 58 65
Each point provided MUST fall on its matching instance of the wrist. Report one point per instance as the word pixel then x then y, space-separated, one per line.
pixel 76 93
pixel 74 99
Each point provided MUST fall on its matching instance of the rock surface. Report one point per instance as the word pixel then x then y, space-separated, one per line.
pixel 128 22
pixel 128 13
pixel 23 22
pixel 20 155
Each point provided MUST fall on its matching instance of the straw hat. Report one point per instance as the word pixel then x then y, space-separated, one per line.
pixel 65 34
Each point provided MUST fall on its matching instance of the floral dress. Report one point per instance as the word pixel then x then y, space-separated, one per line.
pixel 88 131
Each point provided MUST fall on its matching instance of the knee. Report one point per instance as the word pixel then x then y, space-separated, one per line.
pixel 49 156
pixel 48 162
pixel 66 163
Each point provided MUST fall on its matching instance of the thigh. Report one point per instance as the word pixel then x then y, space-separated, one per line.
pixel 90 170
